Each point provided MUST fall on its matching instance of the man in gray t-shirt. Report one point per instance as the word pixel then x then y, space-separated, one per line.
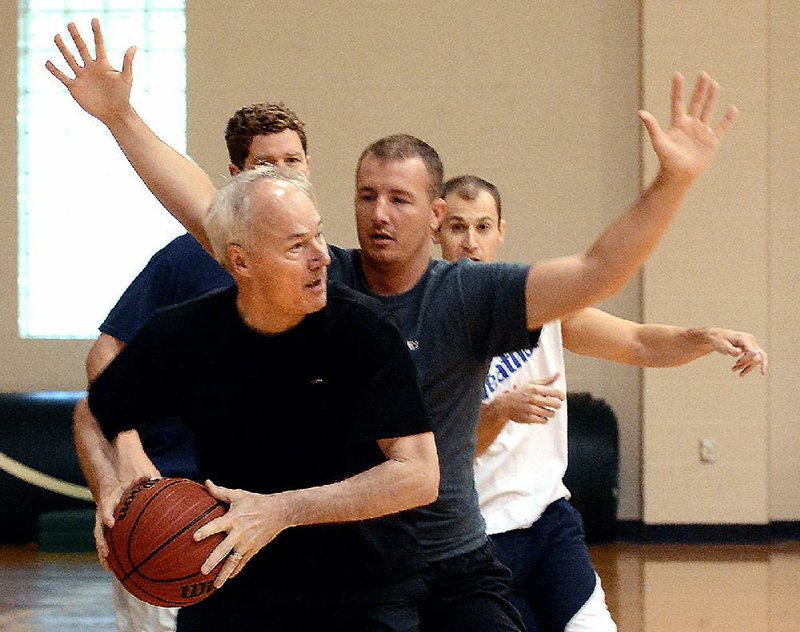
pixel 455 319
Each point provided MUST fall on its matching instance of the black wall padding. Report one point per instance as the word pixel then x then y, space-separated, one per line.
pixel 593 472
pixel 36 430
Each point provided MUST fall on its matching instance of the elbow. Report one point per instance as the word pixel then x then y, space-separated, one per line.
pixel 79 417
pixel 426 482
pixel 605 280
pixel 431 485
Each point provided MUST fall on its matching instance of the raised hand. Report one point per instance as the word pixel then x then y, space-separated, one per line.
pixel 97 87
pixel 688 147
pixel 742 346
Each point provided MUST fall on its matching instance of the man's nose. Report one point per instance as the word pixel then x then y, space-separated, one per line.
pixel 470 240
pixel 381 214
pixel 320 257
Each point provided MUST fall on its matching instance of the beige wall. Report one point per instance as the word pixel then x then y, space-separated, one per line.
pixel 783 250
pixel 728 260
pixel 539 97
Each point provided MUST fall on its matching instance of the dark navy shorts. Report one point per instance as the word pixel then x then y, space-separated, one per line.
pixel 553 575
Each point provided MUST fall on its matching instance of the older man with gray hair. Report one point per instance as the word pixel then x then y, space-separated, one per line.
pixel 306 408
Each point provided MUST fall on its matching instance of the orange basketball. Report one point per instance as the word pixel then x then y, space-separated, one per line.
pixel 151 550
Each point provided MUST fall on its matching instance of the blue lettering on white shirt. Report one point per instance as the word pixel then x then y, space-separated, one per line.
pixel 502 368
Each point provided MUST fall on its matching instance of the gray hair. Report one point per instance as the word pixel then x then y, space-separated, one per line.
pixel 227 220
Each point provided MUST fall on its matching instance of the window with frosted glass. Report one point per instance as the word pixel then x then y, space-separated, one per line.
pixel 87 224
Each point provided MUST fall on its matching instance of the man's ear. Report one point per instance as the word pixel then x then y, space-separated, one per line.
pixel 501 228
pixel 439 210
pixel 234 170
pixel 237 260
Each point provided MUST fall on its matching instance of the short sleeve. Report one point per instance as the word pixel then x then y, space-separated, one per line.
pixel 494 307
pixel 387 401
pixel 151 290
pixel 137 387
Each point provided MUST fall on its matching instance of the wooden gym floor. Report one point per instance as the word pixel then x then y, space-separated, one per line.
pixel 649 588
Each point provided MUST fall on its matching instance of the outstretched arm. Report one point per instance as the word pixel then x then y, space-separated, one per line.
pixel 104 92
pixel 561 286
pixel 594 333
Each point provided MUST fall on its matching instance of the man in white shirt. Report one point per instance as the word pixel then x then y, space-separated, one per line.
pixel 522 436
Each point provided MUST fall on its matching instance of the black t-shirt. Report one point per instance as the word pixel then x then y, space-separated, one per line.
pixel 180 271
pixel 273 413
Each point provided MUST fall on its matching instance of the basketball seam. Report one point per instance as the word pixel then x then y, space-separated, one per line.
pixel 127 547
pixel 170 540
pixel 132 576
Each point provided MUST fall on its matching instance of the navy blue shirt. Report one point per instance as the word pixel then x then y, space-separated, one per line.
pixel 180 271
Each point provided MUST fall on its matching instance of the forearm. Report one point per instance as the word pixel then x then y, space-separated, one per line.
pixel 94 452
pixel 388 488
pixel 626 244
pixel 132 462
pixel 179 184
pixel 492 420
pixel 596 334
pixel 591 332
pixel 559 287
pixel 668 346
